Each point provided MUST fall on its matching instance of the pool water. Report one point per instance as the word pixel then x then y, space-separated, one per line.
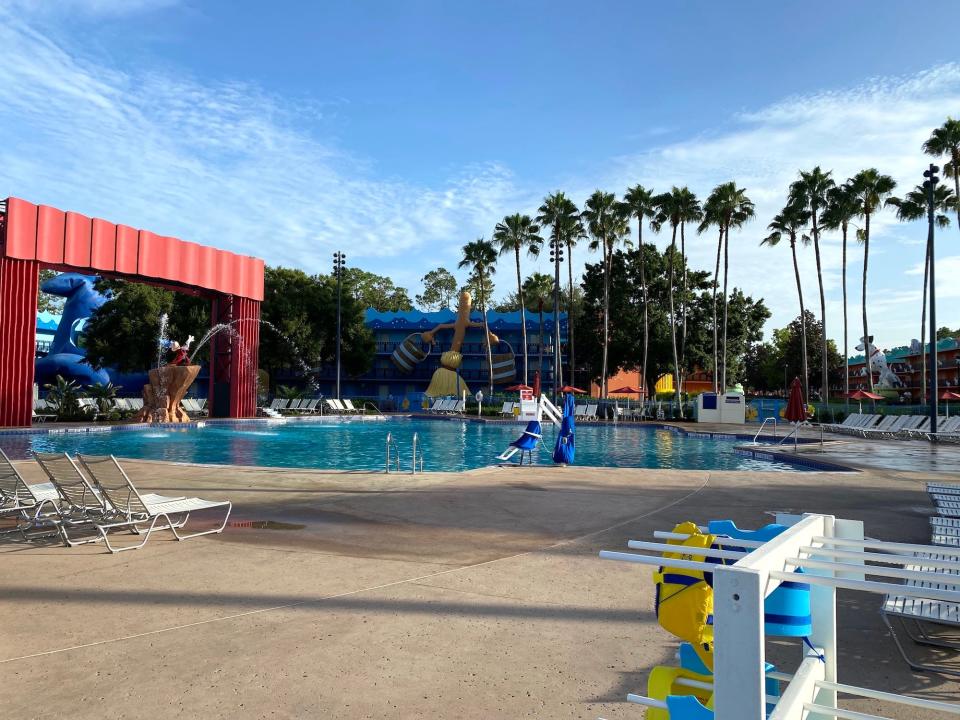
pixel 360 445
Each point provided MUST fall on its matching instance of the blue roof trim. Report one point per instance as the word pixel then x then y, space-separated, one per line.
pixel 417 320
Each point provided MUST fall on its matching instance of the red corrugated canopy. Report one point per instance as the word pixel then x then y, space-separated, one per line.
pixel 55 237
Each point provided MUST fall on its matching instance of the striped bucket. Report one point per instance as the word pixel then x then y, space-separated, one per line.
pixel 504 365
pixel 409 353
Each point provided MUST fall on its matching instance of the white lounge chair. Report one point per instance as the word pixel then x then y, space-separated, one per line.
pixel 78 504
pixel 348 406
pixel 849 421
pixel 19 498
pixel 579 411
pixel 886 424
pixel 921 611
pixel 507 409
pixel 333 405
pixel 130 509
pixel 459 406
pixel 591 412
pixel 39 412
pixel 945 531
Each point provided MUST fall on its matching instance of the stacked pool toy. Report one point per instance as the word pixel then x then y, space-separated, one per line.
pixel 684 607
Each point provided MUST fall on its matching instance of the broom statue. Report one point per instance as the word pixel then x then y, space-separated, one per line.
pixel 446 380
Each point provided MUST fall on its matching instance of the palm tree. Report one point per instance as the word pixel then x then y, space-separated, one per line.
pixel 688 210
pixel 515 233
pixel 727 206
pixel 481 257
pixel 561 214
pixel 870 190
pixel 811 190
pixel 670 209
pixel 913 206
pixel 713 216
pixel 841 209
pixel 945 140
pixel 638 202
pixel 789 223
pixel 607 224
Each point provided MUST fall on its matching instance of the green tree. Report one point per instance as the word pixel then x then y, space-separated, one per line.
pixel 123 332
pixel 45 302
pixel 945 140
pixel 300 313
pixel 770 366
pixel 439 290
pixel 608 225
pixel 639 202
pixel 870 189
pixel 626 334
pixel 563 217
pixel 375 291
pixel 789 223
pixel 812 191
pixel 514 234
pixel 944 333
pixel 911 207
pixel 841 209
pixel 481 257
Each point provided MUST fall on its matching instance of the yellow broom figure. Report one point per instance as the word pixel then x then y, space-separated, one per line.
pixel 446 380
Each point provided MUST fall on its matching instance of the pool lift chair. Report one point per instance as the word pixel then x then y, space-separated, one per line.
pixel 526 443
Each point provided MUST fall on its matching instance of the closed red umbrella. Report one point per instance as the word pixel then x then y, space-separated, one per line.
pixel 536 384
pixel 796 410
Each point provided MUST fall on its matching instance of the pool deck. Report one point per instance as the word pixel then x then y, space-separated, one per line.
pixel 442 595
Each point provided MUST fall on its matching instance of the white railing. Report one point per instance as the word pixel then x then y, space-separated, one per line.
pixel 834 555
pixel 762 426
pixel 393 453
pixel 417 454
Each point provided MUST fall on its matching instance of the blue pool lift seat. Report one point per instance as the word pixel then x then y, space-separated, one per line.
pixel 526 443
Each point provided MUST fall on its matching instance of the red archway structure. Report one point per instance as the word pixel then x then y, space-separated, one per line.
pixel 33 237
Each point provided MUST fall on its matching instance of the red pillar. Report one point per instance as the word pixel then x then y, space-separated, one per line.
pixel 18 327
pixel 234 357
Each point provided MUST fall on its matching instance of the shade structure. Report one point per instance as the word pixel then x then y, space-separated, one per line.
pixel 627 390
pixel 864 395
pixel 796 410
pixel 518 387
pixel 949 395
pixel 572 389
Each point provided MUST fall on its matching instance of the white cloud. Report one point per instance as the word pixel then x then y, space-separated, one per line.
pixel 232 165
pixel 225 164
pixel 881 124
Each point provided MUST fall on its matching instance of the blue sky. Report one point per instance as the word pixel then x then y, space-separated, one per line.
pixel 398 131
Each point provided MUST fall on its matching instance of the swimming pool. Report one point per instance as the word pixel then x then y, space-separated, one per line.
pixel 344 444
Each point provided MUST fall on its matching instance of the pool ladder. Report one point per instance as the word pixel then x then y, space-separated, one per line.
pixel 393 454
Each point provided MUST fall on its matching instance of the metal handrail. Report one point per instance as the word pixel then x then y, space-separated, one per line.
pixel 763 425
pixel 392 443
pixel 364 408
pixel 415 455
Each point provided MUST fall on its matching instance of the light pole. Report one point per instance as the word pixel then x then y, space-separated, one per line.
pixel 556 255
pixel 929 184
pixel 339 264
